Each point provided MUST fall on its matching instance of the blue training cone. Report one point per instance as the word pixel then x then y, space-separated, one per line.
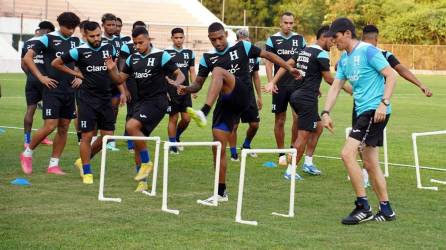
pixel 20 182
pixel 2 131
pixel 270 164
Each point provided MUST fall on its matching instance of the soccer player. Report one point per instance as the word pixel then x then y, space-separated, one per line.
pixel 284 44
pixel 58 92
pixel 94 96
pixel 124 39
pixel 148 67
pixel 373 81
pixel 126 50
pixel 119 92
pixel 33 89
pixel 82 41
pixel 314 64
pixel 185 61
pixel 229 64
pixel 251 115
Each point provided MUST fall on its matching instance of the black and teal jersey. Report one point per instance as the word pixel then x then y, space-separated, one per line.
pixel 38 59
pixel 149 72
pixel 53 45
pixel 125 39
pixel 311 62
pixel 127 49
pixel 184 59
pixel 115 41
pixel 285 47
pixel 235 59
pixel 96 86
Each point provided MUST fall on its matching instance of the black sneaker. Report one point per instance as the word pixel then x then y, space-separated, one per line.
pixel 380 216
pixel 358 215
pixel 234 157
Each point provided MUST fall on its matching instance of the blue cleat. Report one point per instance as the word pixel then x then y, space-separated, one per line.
pixel 311 169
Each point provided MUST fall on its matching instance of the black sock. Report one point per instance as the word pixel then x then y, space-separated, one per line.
pixel 221 189
pixel 281 154
pixel 79 136
pixel 362 201
pixel 206 109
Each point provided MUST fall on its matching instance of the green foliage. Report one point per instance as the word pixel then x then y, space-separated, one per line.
pixel 402 21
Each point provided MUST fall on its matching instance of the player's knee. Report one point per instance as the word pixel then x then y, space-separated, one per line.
pixel 62 129
pixel 346 154
pixel 254 126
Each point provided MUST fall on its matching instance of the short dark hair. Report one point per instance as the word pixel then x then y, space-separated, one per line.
pixel 119 19
pixel 138 23
pixel 287 13
pixel 108 17
pixel 139 31
pixel 68 19
pixel 47 25
pixel 90 26
pixel 370 29
pixel 177 30
pixel 322 31
pixel 214 27
pixel 82 24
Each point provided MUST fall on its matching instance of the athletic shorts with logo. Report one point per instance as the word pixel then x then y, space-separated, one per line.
pixel 251 114
pixel 178 103
pixel 58 105
pixel 230 107
pixel 282 98
pixel 366 130
pixel 307 111
pixel 92 116
pixel 150 112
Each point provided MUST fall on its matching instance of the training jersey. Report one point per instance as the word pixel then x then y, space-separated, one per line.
pixel 311 62
pixel 362 69
pixel 114 40
pixel 38 59
pixel 53 45
pixel 235 59
pixel 149 72
pixel 124 39
pixel 285 47
pixel 184 59
pixel 254 65
pixel 96 87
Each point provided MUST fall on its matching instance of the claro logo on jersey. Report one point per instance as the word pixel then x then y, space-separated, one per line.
pixel 287 51
pixel 92 68
pixel 146 74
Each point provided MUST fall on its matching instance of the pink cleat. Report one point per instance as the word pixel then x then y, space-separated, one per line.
pixel 27 164
pixel 47 141
pixel 55 170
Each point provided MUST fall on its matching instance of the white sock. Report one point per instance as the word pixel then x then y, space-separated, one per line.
pixel 308 160
pixel 54 162
pixel 28 152
pixel 288 169
pixel 365 175
pixel 93 139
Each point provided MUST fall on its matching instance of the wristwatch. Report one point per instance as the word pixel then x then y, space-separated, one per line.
pixel 386 102
pixel 325 112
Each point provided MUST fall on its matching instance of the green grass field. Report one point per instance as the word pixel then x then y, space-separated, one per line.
pixel 61 212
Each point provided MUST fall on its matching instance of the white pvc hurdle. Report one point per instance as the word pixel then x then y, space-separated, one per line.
pixel 417 162
pixel 386 157
pixel 167 145
pixel 103 160
pixel 293 151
